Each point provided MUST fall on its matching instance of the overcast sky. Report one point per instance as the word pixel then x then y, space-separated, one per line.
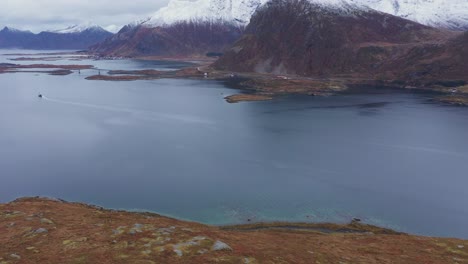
pixel 38 15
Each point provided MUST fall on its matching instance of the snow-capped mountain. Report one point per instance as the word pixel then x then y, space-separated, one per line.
pixel 437 13
pixel 183 28
pixel 204 26
pixel 78 29
pixel 451 14
pixel 14 30
pixel 235 11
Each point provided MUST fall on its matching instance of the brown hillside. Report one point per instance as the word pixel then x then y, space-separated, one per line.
pixel 34 230
pixel 181 39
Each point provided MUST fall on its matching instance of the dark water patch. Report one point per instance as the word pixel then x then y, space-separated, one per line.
pixel 374 105
pixel 365 106
pixel 386 89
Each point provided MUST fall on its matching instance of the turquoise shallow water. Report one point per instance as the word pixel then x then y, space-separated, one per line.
pixel 177 148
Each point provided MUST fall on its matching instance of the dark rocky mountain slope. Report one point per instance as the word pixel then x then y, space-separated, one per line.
pixel 303 38
pixel 10 38
pixel 179 39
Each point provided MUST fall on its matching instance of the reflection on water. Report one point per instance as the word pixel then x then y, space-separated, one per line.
pixel 177 148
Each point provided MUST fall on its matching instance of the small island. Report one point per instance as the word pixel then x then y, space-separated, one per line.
pixel 236 98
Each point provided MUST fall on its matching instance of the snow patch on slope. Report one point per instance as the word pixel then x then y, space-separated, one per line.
pixel 14 30
pixel 234 11
pixel 438 13
pixel 78 29
pixel 237 12
pixel 452 14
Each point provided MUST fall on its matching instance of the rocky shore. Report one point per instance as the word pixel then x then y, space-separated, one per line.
pixel 40 230
pixel 458 96
pixel 454 100
pixel 261 87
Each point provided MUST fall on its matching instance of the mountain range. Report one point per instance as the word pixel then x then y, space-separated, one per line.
pixel 74 37
pixel 195 28
pixel 436 13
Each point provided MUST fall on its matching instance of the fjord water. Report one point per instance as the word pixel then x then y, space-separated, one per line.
pixel 175 147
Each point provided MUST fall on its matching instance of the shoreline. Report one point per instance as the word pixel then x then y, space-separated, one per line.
pixel 265 87
pixel 353 226
pixel 41 230
pixel 268 86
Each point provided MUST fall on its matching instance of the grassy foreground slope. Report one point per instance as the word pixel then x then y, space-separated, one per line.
pixel 38 230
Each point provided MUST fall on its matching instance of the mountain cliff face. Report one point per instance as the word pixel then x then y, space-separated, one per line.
pixel 309 39
pixel 73 38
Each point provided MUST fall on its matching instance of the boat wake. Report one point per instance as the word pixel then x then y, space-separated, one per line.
pixel 140 114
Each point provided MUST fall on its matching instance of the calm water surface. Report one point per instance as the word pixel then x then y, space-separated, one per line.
pixel 176 147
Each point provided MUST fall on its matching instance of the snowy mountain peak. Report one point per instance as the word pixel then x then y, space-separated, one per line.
pixel 436 13
pixel 10 29
pixel 451 14
pixel 138 22
pixel 236 12
pixel 233 11
pixel 78 29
